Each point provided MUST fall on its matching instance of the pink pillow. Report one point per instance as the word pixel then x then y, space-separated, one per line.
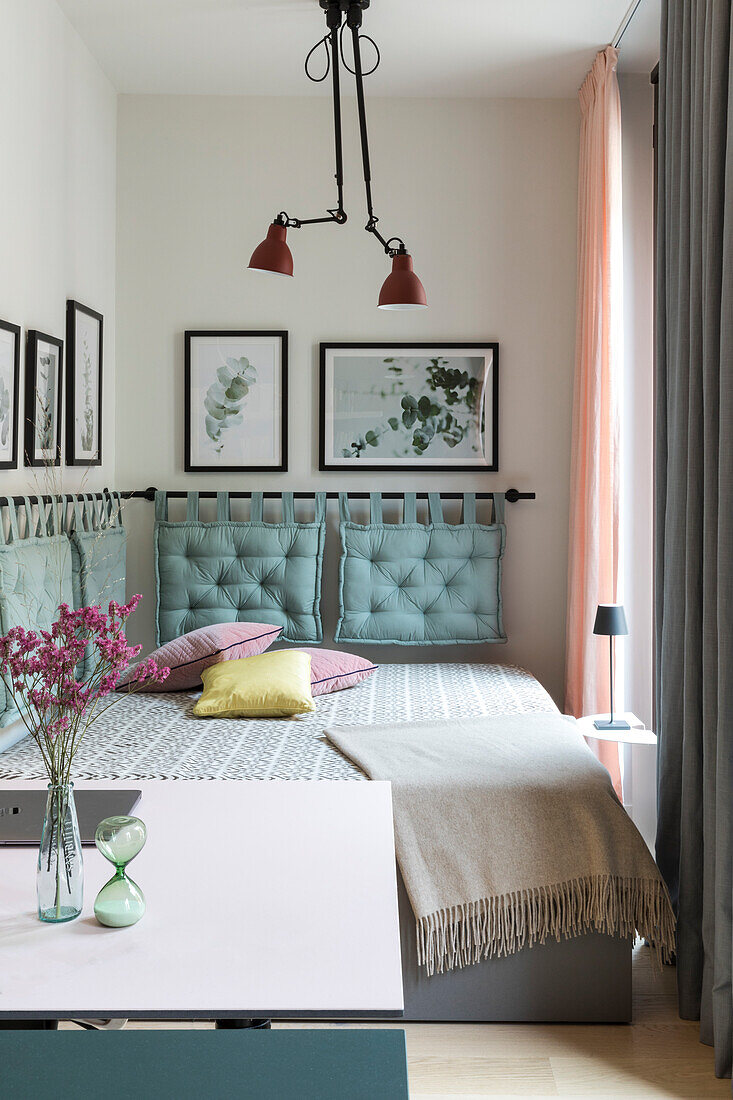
pixel 332 671
pixel 189 655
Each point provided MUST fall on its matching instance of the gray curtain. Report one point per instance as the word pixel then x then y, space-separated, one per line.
pixel 694 504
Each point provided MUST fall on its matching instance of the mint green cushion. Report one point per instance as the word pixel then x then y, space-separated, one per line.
pixel 35 577
pixel 226 571
pixel 98 556
pixel 420 584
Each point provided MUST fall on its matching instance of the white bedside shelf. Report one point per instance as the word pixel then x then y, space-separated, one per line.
pixel 637 735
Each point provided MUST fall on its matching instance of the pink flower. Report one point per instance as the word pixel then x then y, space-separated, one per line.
pixel 39 668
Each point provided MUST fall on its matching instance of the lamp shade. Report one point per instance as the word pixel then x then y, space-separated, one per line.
pixel 273 253
pixel 610 619
pixel 402 289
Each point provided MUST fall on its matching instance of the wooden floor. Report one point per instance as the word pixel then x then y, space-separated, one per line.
pixel 657 1055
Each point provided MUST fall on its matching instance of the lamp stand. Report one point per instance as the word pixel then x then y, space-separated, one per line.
pixel 613 724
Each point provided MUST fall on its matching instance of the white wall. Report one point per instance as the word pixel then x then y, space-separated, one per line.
pixel 58 121
pixel 58 118
pixel 484 193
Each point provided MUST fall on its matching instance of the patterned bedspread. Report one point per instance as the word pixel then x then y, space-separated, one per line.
pixel 156 737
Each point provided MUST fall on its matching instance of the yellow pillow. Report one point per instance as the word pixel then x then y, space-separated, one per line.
pixel 270 685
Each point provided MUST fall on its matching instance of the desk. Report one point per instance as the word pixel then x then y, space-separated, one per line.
pixel 273 899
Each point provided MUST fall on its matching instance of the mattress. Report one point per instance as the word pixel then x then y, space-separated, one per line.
pixel 155 736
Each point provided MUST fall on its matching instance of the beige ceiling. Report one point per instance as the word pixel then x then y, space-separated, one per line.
pixel 429 47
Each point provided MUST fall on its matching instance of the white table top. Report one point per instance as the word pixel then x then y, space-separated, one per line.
pixel 263 899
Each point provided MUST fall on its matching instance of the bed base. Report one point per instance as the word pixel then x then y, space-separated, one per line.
pixel 583 980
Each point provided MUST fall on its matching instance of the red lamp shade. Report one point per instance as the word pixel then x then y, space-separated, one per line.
pixel 273 253
pixel 402 289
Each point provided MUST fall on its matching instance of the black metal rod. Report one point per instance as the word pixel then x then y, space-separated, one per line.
pixel 336 81
pixel 47 498
pixel 512 495
pixel 361 107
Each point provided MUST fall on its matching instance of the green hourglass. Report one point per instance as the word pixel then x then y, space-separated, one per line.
pixel 120 902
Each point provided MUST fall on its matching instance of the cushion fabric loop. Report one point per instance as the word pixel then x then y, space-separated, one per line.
pixel 192 507
pixel 161 504
pixel 409 508
pixel 320 509
pixel 375 505
pixel 12 524
pixel 344 510
pixel 77 516
pixel 499 501
pixel 28 517
pixel 223 508
pixel 436 508
pixel 256 510
pixel 288 508
pixel 468 514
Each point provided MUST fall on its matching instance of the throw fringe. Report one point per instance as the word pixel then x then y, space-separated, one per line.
pixel 500 925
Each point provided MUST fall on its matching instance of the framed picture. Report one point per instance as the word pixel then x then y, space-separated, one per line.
pixel 409 407
pixel 84 333
pixel 236 401
pixel 9 389
pixel 43 373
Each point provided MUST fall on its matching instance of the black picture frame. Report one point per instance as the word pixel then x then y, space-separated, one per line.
pixel 11 463
pixel 280 335
pixel 75 456
pixel 412 467
pixel 33 339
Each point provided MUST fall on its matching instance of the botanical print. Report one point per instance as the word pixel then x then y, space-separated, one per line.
pixel 86 386
pixel 45 420
pixel 225 399
pixel 391 409
pixel 7 386
pixel 235 398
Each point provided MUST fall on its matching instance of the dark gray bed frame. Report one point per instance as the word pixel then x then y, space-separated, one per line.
pixel 582 980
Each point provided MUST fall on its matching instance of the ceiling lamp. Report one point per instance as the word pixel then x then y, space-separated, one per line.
pixel 401 289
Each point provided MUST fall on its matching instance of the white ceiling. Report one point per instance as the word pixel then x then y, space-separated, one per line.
pixel 429 47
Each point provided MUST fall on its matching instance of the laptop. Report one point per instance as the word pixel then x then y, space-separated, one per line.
pixel 21 813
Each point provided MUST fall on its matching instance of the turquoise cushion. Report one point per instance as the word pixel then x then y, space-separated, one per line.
pixel 218 572
pixel 35 577
pixel 420 584
pixel 98 556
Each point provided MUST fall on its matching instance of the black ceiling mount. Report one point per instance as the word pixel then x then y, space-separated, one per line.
pixel 344 5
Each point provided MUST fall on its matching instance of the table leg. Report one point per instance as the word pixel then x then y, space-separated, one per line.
pixel 29 1025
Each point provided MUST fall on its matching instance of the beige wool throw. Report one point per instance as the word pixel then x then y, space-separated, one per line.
pixel 507 832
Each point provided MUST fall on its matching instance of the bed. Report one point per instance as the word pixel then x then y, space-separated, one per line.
pixel 586 979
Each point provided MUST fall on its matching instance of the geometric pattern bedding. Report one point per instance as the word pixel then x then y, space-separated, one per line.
pixel 155 736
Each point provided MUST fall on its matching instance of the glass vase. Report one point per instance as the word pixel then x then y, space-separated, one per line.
pixel 60 874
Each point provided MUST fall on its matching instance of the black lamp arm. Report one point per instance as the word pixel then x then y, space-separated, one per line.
pixel 337 214
pixel 353 19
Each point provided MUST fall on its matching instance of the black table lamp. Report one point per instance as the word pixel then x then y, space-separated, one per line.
pixel 611 620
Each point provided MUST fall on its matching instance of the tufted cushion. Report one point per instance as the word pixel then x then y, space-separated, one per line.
pixel 416 584
pixel 218 572
pixel 98 558
pixel 35 577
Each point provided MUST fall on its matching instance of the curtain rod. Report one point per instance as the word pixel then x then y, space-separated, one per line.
pixel 512 495
pixel 623 25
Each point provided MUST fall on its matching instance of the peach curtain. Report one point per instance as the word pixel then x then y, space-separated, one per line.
pixel 594 477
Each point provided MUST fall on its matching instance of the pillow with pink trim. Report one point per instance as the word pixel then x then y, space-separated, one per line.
pixel 189 655
pixel 333 671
